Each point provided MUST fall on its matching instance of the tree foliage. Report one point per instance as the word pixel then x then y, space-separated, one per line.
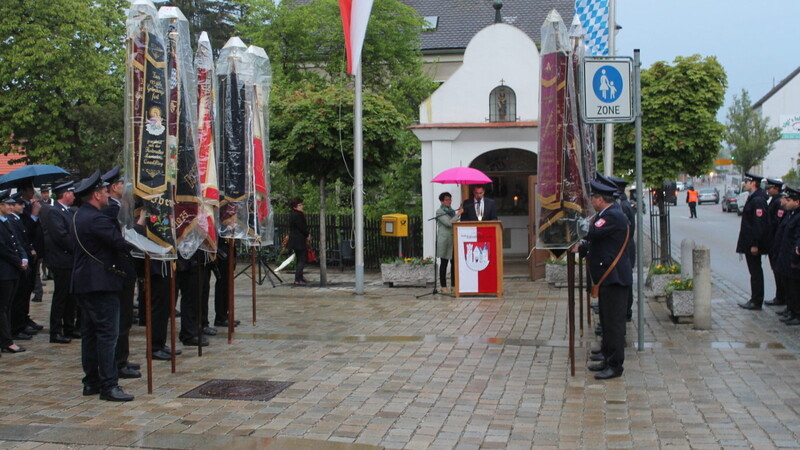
pixel 216 17
pixel 748 135
pixel 61 72
pixel 680 132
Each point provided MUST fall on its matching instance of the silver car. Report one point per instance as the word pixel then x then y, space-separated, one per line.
pixel 708 195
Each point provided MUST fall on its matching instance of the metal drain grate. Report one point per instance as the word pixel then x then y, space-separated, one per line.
pixel 250 390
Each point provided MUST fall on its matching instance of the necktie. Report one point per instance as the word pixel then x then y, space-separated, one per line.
pixel 479 208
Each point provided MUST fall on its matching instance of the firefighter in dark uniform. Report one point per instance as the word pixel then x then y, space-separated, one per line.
pixel 753 238
pixel 787 260
pixel 13 263
pixel 59 258
pixel 20 306
pixel 97 279
pixel 775 214
pixel 631 251
pixel 605 241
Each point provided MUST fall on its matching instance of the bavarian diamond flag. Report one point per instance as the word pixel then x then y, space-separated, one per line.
pixel 594 18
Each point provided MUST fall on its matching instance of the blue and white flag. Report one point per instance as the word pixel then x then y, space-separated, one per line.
pixel 593 15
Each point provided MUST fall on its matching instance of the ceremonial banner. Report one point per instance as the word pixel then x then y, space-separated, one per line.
pixel 479 257
pixel 147 156
pixel 261 217
pixel 561 194
pixel 206 155
pixel 355 17
pixel 234 68
pixel 182 131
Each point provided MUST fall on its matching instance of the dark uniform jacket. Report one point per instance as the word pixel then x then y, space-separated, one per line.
pixel 126 261
pixel 11 253
pixel 787 262
pixel 21 233
pixel 96 234
pixel 298 230
pixel 469 213
pixel 755 230
pixel 630 252
pixel 603 242
pixel 57 237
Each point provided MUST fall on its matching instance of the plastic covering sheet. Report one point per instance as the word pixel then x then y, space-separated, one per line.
pixel 149 165
pixel 206 154
pixel 261 221
pixel 182 131
pixel 562 199
pixel 235 71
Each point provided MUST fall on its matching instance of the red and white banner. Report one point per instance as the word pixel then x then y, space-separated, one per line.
pixel 477 259
pixel 355 16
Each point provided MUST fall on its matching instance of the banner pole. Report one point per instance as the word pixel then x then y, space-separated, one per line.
pixel 172 294
pixel 148 321
pixel 231 263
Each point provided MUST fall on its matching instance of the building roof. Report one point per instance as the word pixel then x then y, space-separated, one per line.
pixel 459 20
pixel 777 88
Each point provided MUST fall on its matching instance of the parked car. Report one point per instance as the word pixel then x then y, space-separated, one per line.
pixel 708 195
pixel 680 185
pixel 740 201
pixel 730 201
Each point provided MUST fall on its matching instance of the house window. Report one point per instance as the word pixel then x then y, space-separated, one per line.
pixel 502 105
pixel 431 23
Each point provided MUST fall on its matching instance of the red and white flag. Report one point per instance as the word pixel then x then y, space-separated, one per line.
pixel 355 16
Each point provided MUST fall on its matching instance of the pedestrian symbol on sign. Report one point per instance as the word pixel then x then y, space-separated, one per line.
pixel 607 84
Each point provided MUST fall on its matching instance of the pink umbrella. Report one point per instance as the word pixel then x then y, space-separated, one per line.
pixel 462 175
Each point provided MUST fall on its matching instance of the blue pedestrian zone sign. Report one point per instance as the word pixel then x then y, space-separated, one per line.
pixel 607 90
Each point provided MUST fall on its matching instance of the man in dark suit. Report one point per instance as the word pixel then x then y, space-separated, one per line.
pixel 775 214
pixel 13 261
pixel 59 257
pixel 97 280
pixel 478 207
pixel 605 243
pixel 125 369
pixel 754 238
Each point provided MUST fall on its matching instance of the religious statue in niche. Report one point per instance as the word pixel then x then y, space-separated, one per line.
pixel 502 110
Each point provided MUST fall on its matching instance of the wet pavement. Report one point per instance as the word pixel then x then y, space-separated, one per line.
pixel 387 369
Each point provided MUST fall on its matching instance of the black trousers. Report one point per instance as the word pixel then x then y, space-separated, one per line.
pixel 613 307
pixel 123 349
pixel 62 309
pixel 193 286
pixel 7 288
pixel 756 278
pixel 21 305
pixel 692 209
pixel 780 295
pixel 159 299
pixel 221 292
pixel 443 273
pixel 792 292
pixel 301 258
pixel 99 338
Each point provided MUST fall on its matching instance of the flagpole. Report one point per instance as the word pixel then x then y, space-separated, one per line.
pixel 358 162
pixel 608 147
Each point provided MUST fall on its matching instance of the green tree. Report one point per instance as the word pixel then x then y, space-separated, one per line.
pixel 748 135
pixel 61 93
pixel 216 17
pixel 680 132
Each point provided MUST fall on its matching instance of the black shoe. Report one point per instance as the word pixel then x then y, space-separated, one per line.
pixel 607 374
pixel 793 321
pixel 161 355
pixel 75 335
pixel 134 366
pixel 59 339
pixel 127 372
pixel 116 394
pixel 8 349
pixel 37 299
pixel 750 306
pixel 30 330
pixel 208 331
pixel 597 352
pixel 775 302
pixel 597 357
pixel 22 336
pixel 35 325
pixel 169 350
pixel 783 312
pixel 789 316
pixel 193 342
pixel 597 367
pixel 598 331
pixel 90 390
pixel 224 323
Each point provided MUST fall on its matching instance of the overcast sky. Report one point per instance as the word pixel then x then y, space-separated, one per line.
pixel 755 41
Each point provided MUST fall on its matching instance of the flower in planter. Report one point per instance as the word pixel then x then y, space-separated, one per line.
pixel 409 261
pixel 661 269
pixel 679 285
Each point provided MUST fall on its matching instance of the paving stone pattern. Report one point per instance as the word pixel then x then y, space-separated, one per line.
pixel 389 370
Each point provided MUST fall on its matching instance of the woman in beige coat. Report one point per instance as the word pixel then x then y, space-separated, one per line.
pixel 445 216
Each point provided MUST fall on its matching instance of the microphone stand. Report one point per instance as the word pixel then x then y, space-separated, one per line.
pixel 435 271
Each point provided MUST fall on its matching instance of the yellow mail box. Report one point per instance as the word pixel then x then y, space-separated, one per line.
pixel 394 225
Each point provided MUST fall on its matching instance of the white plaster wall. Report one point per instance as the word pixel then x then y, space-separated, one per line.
pixel 784 154
pixel 499 51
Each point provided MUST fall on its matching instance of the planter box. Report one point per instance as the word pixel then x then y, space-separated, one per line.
pixel 413 274
pixel 681 303
pixel 657 283
pixel 556 274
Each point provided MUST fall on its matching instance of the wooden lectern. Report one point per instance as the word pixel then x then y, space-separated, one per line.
pixel 478 259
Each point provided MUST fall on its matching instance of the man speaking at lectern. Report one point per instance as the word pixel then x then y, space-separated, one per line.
pixel 478 207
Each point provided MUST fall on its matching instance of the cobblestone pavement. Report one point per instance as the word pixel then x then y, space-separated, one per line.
pixel 389 370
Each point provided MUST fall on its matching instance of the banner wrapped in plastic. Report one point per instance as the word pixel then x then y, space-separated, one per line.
pixel 562 199
pixel 148 198
pixel 182 130
pixel 234 69
pixel 587 130
pixel 206 153
pixel 261 218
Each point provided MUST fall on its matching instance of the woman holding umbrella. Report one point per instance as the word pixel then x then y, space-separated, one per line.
pixel 445 216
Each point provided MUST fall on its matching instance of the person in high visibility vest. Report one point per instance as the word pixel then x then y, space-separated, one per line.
pixel 691 200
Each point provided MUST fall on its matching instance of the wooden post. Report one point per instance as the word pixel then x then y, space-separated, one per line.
pixel 172 294
pixel 148 321
pixel 587 291
pixel 580 293
pixel 200 278
pixel 571 310
pixel 253 280
pixel 231 263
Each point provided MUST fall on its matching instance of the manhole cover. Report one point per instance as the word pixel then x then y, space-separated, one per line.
pixel 250 390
